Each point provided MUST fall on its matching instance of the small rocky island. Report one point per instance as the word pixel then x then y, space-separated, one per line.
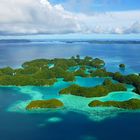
pixel 122 66
pixel 130 104
pixel 53 103
pixel 46 72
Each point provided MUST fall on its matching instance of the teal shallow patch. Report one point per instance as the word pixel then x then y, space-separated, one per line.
pixel 71 102
pixel 120 96
pixel 54 120
pixel 89 82
pixel 74 68
pixel 50 120
pixel 50 65
pixel 88 138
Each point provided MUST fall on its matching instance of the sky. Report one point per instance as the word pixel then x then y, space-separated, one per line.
pixel 98 5
pixel 51 17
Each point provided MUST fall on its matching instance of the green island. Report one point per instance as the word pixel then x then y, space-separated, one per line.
pixel 96 91
pixel 45 72
pixel 130 104
pixel 122 66
pixel 41 104
pixel 132 79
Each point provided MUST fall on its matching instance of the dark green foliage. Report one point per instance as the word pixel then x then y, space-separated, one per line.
pixel 59 72
pixel 38 72
pixel 53 103
pixel 23 80
pixel 26 71
pixel 107 82
pixel 97 91
pixel 137 89
pixel 122 66
pixel 40 63
pixel 83 91
pixel 132 79
pixel 69 77
pixel 88 59
pixel 6 80
pixel 77 58
pixel 44 74
pixel 7 71
pixel 100 73
pixel 130 104
pixel 1 73
pixel 64 63
pixel 97 63
pixel 81 73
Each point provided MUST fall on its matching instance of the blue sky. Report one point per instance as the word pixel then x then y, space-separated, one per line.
pixel 100 5
pixel 33 17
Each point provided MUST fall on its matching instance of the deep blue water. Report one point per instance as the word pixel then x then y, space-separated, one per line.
pixel 73 126
pixel 14 54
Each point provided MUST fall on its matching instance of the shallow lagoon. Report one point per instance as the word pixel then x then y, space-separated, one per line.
pixel 70 122
pixel 71 102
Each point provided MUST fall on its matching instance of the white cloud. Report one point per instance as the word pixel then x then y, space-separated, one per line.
pixel 35 16
pixel 112 22
pixel 134 28
pixel 40 16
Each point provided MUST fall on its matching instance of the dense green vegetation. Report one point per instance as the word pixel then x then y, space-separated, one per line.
pixel 132 79
pixel 96 91
pixel 23 80
pixel 122 66
pixel 130 104
pixel 39 73
pixel 69 77
pixel 44 72
pixel 53 103
pixel 81 72
pixel 100 73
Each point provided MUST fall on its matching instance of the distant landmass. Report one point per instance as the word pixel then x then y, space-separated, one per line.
pixel 15 41
pixel 70 41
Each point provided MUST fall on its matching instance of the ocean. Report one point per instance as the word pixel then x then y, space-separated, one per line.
pixel 74 122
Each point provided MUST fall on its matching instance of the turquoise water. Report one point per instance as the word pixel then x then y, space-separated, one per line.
pixel 76 121
pixel 89 82
pixel 71 102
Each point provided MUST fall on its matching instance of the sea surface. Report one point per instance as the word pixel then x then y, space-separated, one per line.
pixel 76 121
